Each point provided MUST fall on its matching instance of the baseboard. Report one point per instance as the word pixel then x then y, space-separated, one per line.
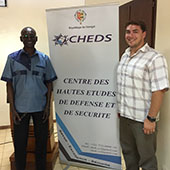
pixel 5 127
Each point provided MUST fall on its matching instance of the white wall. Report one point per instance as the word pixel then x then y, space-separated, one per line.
pixel 92 2
pixel 18 14
pixel 163 45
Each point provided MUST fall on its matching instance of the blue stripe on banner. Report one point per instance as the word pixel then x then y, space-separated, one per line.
pixel 109 158
pixel 65 130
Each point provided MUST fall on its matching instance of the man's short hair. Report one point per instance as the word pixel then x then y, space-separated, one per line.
pixel 25 28
pixel 139 23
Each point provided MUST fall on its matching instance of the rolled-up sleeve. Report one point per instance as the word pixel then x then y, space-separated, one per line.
pixel 159 74
pixel 50 72
pixel 7 72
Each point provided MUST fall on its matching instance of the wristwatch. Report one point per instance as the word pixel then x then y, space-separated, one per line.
pixel 151 119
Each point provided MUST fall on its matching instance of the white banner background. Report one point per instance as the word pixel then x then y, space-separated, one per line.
pixel 84 51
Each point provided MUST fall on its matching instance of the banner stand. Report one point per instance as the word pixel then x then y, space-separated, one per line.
pixel 84 50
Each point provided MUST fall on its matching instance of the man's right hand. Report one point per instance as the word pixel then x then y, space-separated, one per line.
pixel 10 96
pixel 16 117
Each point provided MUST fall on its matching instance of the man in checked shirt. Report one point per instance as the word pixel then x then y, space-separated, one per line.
pixel 142 80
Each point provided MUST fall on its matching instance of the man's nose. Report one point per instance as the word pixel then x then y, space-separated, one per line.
pixel 130 34
pixel 29 37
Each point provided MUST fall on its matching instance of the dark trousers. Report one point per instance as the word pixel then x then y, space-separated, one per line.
pixel 138 148
pixel 21 136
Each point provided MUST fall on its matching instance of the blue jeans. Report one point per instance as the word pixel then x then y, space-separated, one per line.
pixel 21 137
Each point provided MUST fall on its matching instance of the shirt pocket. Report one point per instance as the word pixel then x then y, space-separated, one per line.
pixel 39 74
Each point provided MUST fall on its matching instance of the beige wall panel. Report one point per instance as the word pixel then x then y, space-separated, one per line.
pixel 163 45
pixel 92 2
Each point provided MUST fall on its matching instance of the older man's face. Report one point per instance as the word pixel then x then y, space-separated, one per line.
pixel 28 37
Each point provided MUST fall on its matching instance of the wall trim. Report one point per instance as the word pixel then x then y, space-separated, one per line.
pixel 5 127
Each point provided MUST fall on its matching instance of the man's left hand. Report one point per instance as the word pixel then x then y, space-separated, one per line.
pixel 46 114
pixel 149 127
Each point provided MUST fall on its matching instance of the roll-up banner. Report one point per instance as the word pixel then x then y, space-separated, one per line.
pixel 84 49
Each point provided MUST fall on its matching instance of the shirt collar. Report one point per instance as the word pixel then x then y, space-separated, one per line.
pixel 23 58
pixel 24 52
pixel 142 49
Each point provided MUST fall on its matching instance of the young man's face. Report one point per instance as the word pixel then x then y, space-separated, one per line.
pixel 134 36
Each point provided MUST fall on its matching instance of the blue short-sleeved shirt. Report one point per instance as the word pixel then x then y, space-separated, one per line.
pixel 28 76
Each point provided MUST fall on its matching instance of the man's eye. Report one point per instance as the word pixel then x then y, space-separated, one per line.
pixel 30 36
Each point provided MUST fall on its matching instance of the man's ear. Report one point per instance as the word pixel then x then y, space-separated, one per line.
pixel 21 38
pixel 144 34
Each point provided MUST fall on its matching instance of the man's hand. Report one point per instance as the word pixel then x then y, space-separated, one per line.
pixel 149 127
pixel 16 117
pixel 46 114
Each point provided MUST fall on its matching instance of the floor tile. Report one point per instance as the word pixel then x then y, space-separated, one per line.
pixel 58 167
pixel 5 160
pixel 7 167
pixel 2 136
pixel 8 137
pixel 9 147
pixel 73 168
pixel 1 148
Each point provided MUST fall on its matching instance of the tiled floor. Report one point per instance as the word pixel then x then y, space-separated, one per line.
pixel 6 149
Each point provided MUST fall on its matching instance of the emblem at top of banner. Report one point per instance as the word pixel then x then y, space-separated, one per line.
pixel 80 15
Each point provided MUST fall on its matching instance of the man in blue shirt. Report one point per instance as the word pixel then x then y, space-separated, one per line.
pixel 29 75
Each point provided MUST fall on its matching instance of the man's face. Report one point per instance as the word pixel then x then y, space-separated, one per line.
pixel 28 37
pixel 134 36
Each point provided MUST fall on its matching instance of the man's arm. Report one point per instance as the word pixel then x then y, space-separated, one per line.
pixel 10 96
pixel 48 101
pixel 156 101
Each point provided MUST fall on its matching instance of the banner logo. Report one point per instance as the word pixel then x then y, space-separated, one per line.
pixel 65 39
pixel 60 40
pixel 80 16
